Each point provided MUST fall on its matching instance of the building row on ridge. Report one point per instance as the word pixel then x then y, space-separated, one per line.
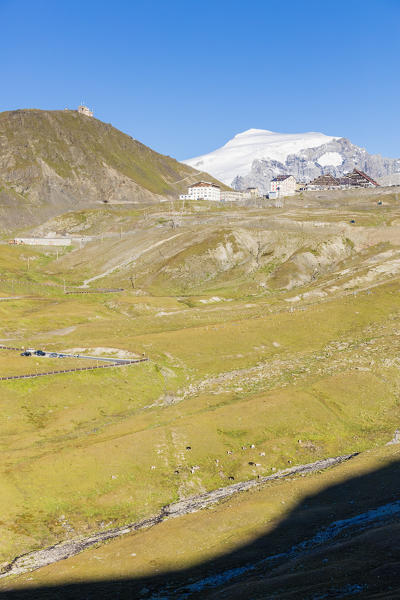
pixel 280 186
pixel 206 190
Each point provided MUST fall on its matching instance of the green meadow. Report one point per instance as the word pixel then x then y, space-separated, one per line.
pixel 268 347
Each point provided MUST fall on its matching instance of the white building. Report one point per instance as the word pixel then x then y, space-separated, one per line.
pixel 203 190
pixel 233 196
pixel 282 185
pixel 84 110
pixel 44 241
pixel 252 192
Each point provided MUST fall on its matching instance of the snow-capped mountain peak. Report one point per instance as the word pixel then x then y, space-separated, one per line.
pixel 253 157
pixel 235 158
pixel 253 132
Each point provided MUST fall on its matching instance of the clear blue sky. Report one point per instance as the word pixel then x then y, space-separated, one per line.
pixel 184 76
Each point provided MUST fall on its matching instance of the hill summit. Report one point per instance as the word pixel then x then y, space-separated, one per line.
pixel 55 161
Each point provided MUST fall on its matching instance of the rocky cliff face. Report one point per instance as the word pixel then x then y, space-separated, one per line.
pixel 336 157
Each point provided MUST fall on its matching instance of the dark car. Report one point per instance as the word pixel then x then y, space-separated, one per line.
pixel 26 353
pixel 39 353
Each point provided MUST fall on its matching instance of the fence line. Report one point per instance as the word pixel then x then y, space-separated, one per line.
pixel 9 348
pixel 116 364
pixel 95 291
pixel 23 282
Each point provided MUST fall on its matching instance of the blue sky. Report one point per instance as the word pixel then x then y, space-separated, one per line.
pixel 184 76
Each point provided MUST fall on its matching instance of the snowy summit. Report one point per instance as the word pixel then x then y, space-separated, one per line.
pixel 236 157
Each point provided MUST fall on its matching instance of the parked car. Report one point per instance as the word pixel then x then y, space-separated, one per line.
pixel 26 353
pixel 53 354
pixel 39 353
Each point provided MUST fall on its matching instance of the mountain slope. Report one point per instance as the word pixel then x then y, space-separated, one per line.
pixel 254 157
pixel 54 161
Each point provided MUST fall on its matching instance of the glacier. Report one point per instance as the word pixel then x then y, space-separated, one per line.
pixel 235 158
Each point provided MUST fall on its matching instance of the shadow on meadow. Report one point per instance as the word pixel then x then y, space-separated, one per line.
pixel 343 542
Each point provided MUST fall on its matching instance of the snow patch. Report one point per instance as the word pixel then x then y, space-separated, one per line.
pixel 211 300
pixel 333 159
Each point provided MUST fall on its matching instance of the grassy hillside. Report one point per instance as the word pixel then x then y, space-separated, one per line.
pixel 273 337
pixel 51 161
pixel 266 539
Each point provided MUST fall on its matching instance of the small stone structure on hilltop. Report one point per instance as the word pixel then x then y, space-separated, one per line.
pixel 84 110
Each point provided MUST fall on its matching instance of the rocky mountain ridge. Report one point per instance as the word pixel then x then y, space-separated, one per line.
pixel 305 165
